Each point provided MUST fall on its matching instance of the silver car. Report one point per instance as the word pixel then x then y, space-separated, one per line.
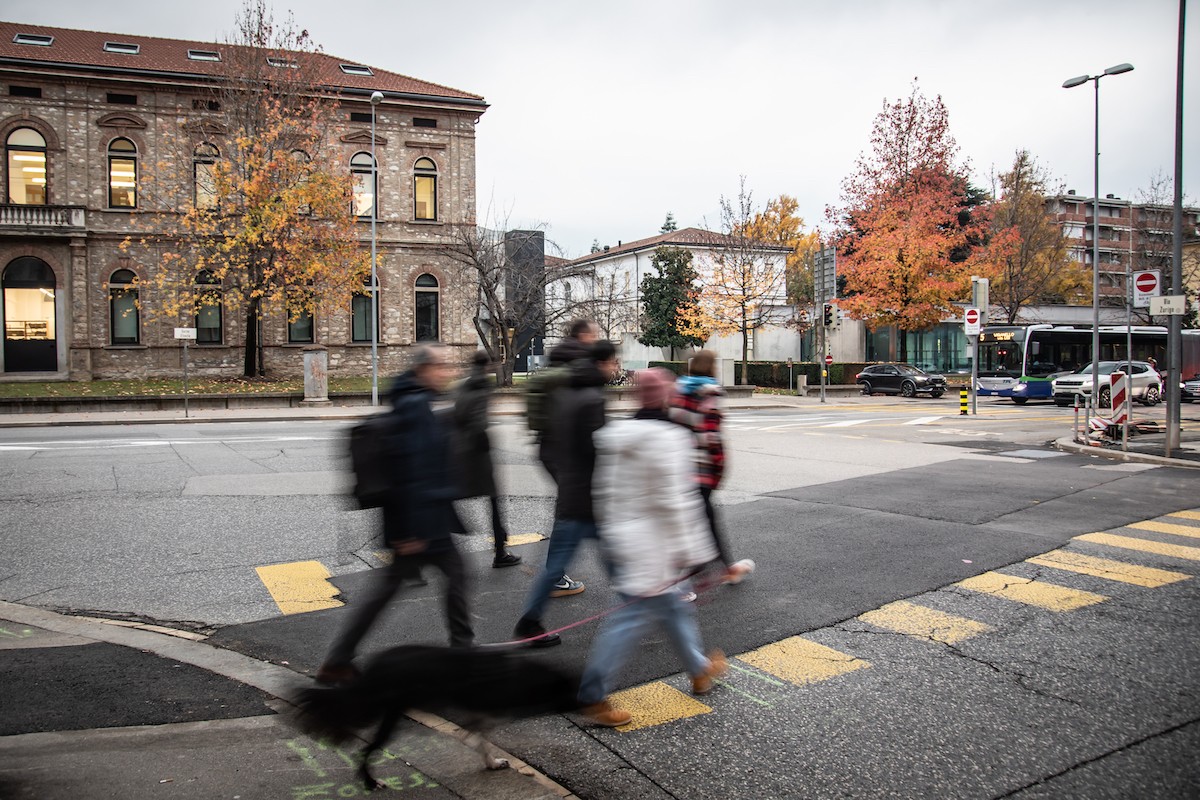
pixel 1147 385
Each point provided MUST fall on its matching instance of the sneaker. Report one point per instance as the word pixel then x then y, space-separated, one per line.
pixel 738 571
pixel 534 635
pixel 717 665
pixel 687 597
pixel 337 674
pixel 603 713
pixel 566 587
pixel 506 560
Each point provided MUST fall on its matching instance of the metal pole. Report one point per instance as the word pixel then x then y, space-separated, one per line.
pixel 1174 334
pixel 974 374
pixel 1128 335
pixel 185 379
pixel 375 98
pixel 1096 254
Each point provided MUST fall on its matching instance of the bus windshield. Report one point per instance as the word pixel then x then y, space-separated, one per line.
pixel 1001 358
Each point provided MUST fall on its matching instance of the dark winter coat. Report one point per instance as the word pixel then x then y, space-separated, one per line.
pixel 577 412
pixel 569 350
pixel 421 503
pixel 472 447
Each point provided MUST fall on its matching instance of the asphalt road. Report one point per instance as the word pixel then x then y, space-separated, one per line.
pixel 846 508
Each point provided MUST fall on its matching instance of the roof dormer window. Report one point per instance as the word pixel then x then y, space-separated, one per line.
pixel 122 48
pixel 33 38
pixel 357 69
pixel 204 55
pixel 282 63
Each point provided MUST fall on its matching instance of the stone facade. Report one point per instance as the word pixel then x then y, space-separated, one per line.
pixel 74 100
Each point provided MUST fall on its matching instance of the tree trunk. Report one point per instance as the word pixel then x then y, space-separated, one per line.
pixel 745 355
pixel 250 356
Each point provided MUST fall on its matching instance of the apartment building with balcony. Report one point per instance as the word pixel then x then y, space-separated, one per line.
pixel 84 114
pixel 1133 236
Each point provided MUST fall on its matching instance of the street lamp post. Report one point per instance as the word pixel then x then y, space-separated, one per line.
pixel 1070 84
pixel 376 98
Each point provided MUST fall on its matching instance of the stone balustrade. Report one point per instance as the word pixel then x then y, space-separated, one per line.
pixel 24 217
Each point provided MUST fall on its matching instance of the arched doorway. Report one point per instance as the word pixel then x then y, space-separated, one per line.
pixel 30 338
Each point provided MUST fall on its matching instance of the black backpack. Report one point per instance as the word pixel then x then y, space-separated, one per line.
pixel 373 448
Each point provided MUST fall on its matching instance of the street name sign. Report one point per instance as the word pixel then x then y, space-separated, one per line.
pixel 185 333
pixel 971 322
pixel 1168 305
pixel 1146 284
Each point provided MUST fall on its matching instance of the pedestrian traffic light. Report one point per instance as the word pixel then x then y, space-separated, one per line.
pixel 828 314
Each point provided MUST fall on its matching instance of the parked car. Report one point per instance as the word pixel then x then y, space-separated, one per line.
pixel 902 379
pixel 1147 385
pixel 1189 390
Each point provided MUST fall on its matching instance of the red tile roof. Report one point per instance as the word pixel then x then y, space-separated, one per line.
pixel 77 48
pixel 685 237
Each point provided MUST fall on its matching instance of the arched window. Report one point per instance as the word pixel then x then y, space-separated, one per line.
pixel 362 168
pixel 425 189
pixel 204 158
pixel 122 174
pixel 26 150
pixel 123 322
pixel 360 312
pixel 426 315
pixel 208 309
pixel 30 338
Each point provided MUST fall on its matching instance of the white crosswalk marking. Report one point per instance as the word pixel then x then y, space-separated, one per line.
pixel 922 420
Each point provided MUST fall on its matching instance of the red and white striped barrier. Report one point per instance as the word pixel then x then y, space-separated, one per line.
pixel 1119 398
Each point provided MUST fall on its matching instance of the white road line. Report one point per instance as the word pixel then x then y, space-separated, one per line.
pixel 922 420
pixel 113 444
pixel 846 423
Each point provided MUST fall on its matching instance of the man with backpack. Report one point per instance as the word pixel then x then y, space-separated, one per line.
pixel 539 391
pixel 576 412
pixel 418 510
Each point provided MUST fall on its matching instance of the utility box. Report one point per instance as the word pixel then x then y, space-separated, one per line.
pixel 316 375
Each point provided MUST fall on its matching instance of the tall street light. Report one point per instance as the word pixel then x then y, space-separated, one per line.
pixel 376 99
pixel 1071 84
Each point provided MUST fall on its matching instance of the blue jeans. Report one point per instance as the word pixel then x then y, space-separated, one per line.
pixel 564 541
pixel 623 632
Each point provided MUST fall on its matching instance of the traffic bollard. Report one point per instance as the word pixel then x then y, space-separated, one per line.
pixel 962 402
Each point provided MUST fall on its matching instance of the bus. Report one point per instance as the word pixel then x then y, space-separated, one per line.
pixel 1020 361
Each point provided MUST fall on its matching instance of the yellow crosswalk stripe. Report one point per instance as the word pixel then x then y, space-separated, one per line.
pixel 299 586
pixel 524 538
pixel 914 620
pixel 654 704
pixel 1049 596
pixel 1192 531
pixel 799 661
pixel 1185 514
pixel 1144 545
pixel 1108 569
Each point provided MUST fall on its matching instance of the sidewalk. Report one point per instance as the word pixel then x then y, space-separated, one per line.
pixel 102 708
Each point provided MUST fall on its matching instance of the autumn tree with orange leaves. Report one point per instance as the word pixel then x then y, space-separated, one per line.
pixel 908 237
pixel 265 225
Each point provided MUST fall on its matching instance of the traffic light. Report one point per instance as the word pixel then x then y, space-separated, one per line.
pixel 828 315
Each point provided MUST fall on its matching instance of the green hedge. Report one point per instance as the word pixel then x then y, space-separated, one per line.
pixel 774 374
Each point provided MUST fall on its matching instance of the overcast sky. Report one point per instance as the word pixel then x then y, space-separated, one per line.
pixel 605 116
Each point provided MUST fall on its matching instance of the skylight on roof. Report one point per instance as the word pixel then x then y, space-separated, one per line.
pixel 282 63
pixel 357 69
pixel 33 38
pixel 122 48
pixel 204 55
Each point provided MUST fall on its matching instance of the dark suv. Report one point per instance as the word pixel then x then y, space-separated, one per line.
pixel 903 379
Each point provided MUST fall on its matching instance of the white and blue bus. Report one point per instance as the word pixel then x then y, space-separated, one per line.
pixel 1020 361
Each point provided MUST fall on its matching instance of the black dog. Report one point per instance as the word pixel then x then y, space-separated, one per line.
pixel 480 685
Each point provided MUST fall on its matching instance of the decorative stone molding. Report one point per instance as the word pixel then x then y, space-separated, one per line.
pixel 122 121
pixel 363 137
pixel 427 145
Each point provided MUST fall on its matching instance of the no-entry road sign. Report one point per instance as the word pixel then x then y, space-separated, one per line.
pixel 1146 284
pixel 971 322
pixel 828 360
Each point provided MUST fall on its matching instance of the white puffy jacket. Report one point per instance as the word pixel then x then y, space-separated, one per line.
pixel 649 510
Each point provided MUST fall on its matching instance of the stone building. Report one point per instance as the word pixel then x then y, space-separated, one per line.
pixel 84 114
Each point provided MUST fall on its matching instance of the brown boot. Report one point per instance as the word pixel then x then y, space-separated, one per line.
pixel 717 665
pixel 603 713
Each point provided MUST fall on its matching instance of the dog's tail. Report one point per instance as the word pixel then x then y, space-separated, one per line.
pixel 332 714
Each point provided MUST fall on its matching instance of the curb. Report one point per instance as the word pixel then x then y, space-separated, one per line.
pixel 1068 445
pixel 189 648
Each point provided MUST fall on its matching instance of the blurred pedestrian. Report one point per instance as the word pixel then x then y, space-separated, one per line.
pixel 576 413
pixel 697 405
pixel 652 526
pixel 418 514
pixel 473 450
